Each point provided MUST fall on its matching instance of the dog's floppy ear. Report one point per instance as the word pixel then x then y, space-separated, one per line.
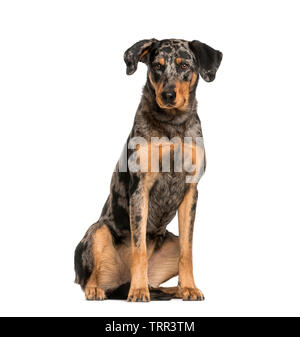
pixel 138 52
pixel 208 59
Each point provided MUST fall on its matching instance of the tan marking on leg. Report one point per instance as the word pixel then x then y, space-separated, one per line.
pixel 139 263
pixel 187 289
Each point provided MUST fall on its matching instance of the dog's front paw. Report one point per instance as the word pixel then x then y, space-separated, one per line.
pixel 94 293
pixel 190 294
pixel 139 295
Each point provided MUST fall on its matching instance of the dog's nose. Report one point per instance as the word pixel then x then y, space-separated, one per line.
pixel 168 96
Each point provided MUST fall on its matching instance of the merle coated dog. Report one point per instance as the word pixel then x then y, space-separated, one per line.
pixel 129 247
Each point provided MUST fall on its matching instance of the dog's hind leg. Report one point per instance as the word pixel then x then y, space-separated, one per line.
pixel 109 271
pixel 163 264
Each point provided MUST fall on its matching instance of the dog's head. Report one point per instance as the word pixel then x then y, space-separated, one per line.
pixel 174 67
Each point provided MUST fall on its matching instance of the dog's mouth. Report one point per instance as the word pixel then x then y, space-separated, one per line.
pixel 171 106
pixel 168 106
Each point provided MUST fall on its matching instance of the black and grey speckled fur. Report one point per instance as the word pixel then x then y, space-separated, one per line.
pixel 152 121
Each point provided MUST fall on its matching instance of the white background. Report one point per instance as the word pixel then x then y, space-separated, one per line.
pixel 66 109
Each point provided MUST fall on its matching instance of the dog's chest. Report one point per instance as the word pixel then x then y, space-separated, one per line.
pixel 165 196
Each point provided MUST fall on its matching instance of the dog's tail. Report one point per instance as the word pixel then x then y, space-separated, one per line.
pixel 121 293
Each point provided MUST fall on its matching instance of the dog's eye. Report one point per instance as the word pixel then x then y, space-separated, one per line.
pixel 157 66
pixel 184 66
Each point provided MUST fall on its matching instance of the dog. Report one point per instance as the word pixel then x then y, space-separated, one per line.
pixel 128 252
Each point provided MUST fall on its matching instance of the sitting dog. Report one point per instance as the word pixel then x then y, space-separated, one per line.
pixel 156 176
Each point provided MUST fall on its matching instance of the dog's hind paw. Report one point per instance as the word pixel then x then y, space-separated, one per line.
pixel 190 294
pixel 94 294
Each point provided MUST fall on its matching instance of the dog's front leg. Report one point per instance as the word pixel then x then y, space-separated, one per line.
pixel 187 289
pixel 138 224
